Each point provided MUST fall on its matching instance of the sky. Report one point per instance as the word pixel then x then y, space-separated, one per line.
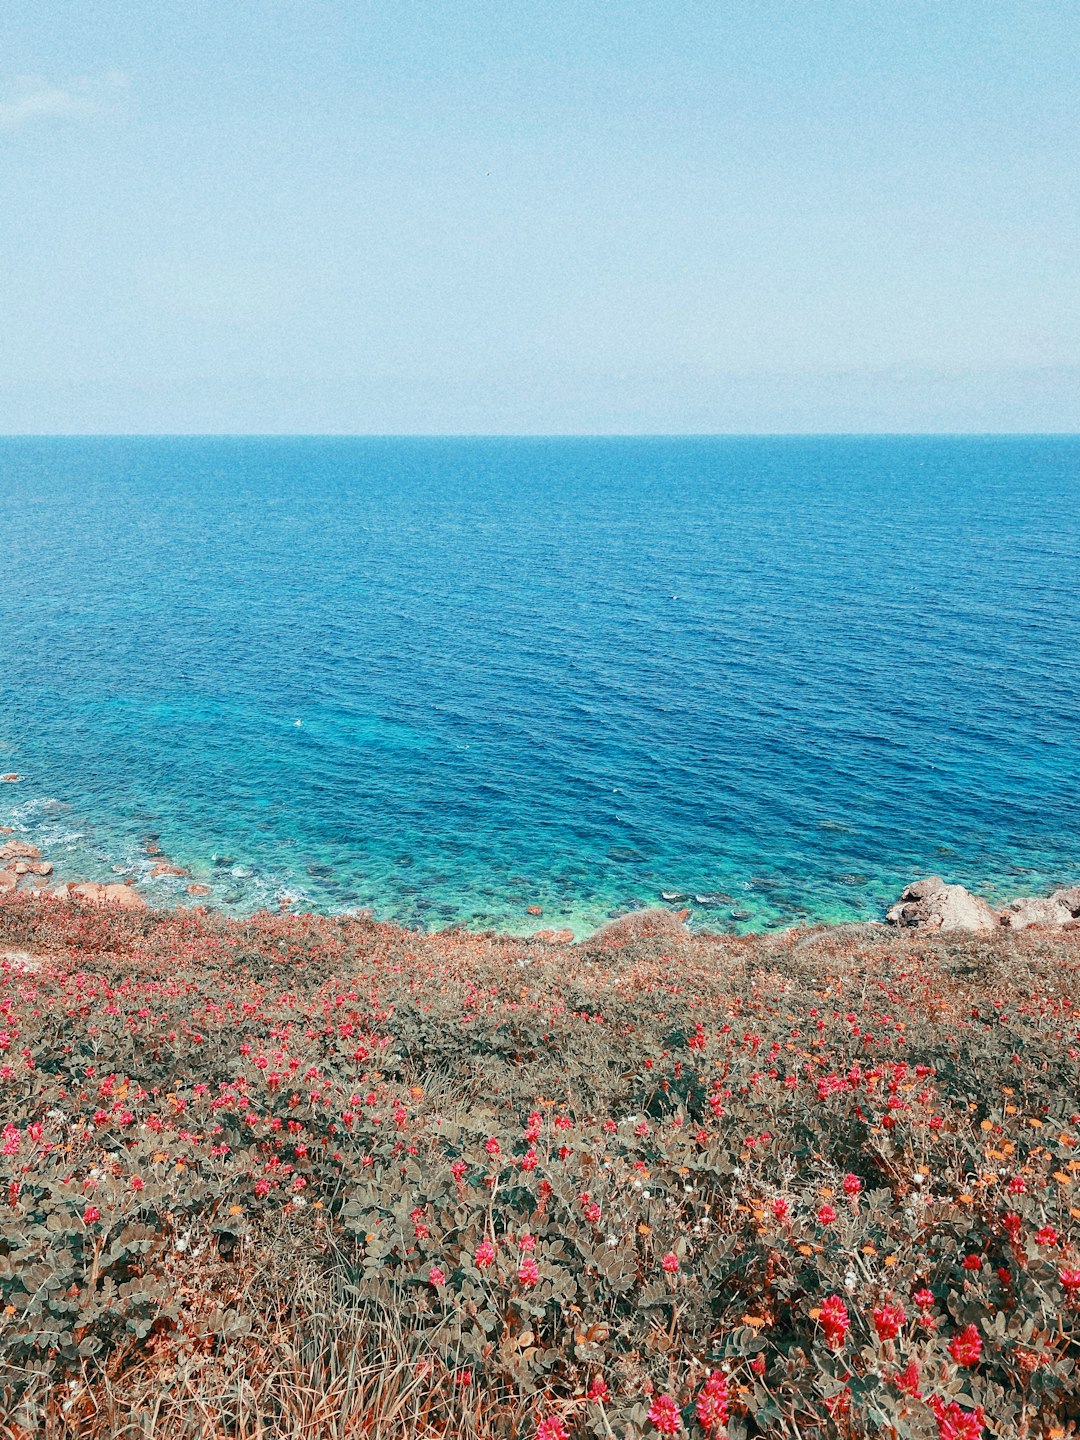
pixel 485 216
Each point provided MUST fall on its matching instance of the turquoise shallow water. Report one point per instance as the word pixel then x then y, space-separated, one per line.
pixel 452 678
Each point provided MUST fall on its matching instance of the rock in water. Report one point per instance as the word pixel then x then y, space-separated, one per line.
pixel 1049 913
pixel 930 904
pixel 19 850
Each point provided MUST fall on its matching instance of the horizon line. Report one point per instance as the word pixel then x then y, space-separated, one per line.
pixel 539 435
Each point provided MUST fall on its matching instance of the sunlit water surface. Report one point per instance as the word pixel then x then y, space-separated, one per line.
pixel 450 679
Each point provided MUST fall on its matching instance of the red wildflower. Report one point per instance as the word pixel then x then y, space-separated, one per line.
pixel 91 1214
pixel 956 1424
pixel 907 1380
pixel 436 1276
pixel 551 1428
pixel 1070 1279
pixel 923 1298
pixel 834 1320
pixel 1046 1236
pixel 664 1414
pixel 966 1347
pixel 670 1262
pixel 852 1185
pixel 826 1215
pixel 887 1320
pixel 528 1272
pixel 598 1390
pixel 973 1262
pixel 780 1208
pixel 712 1402
pixel 485 1254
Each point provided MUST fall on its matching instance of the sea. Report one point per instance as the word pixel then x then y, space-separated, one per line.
pixel 457 681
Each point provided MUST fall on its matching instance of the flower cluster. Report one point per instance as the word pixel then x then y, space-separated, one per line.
pixel 685 1186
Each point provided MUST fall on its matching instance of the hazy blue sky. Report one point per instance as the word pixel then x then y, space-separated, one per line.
pixel 701 215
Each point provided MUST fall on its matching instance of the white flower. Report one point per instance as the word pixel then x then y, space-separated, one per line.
pixel 850 1281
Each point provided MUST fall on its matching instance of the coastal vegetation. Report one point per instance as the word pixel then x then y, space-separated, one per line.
pixel 308 1176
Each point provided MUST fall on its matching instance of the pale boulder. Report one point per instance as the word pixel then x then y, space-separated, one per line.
pixel 923 889
pixel 1047 913
pixel 124 897
pixel 1069 897
pixel 930 904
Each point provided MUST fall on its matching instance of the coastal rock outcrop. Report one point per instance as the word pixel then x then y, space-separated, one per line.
pixel 1047 912
pixel 19 850
pixel 1070 898
pixel 930 904
pixel 125 897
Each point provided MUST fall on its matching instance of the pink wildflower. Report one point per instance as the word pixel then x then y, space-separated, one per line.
pixel 712 1402
pixel 834 1320
pixel 664 1414
pixel 966 1347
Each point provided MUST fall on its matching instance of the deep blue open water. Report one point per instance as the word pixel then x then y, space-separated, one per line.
pixel 449 679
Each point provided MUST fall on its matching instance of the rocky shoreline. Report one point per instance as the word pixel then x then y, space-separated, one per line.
pixel 929 903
